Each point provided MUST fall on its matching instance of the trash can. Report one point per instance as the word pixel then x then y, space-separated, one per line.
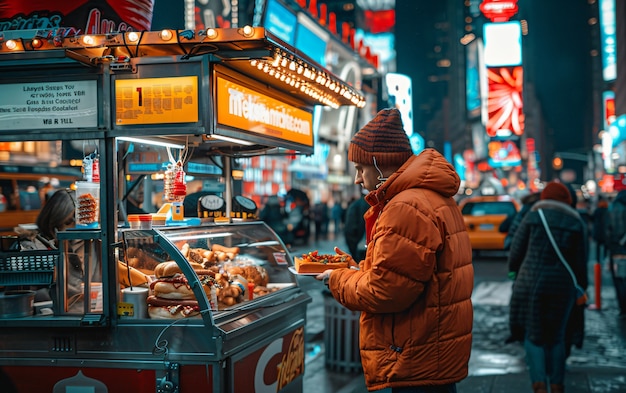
pixel 341 336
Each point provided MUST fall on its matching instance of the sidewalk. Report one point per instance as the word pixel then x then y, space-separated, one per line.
pixel 599 367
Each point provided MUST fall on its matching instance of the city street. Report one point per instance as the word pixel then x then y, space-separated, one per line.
pixel 600 366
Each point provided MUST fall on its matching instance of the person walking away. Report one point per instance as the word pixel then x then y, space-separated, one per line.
pixel 543 292
pixel 336 213
pixel 414 286
pixel 320 218
pixel 527 202
pixel 616 243
pixel 598 228
pixel 354 228
pixel 274 216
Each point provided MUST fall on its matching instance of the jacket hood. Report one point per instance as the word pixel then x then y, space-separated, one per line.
pixel 428 170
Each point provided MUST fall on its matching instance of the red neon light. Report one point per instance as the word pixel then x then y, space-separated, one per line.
pixel 504 100
pixel 499 10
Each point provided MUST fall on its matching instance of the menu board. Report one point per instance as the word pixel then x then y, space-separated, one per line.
pixel 48 105
pixel 156 100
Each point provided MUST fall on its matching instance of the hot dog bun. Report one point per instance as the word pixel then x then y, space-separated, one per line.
pixel 137 278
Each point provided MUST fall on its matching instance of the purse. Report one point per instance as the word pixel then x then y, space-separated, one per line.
pixel 581 295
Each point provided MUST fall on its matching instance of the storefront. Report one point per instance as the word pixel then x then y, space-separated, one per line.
pixel 207 98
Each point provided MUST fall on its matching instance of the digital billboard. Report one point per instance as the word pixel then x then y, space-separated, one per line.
pixel 280 21
pixel 503 44
pixel 504 101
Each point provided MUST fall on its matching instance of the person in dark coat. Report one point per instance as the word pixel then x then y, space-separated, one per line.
pixel 354 228
pixel 527 202
pixel 615 231
pixel 598 229
pixel 274 216
pixel 543 292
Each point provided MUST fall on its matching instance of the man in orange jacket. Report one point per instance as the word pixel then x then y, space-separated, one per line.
pixel 414 286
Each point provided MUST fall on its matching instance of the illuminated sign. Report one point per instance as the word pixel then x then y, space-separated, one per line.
pixel 49 105
pixel 249 110
pixel 88 16
pixel 280 21
pixel 504 153
pixel 608 40
pixel 311 39
pixel 503 44
pixel 608 105
pixel 156 100
pixel 472 79
pixel 504 101
pixel 499 10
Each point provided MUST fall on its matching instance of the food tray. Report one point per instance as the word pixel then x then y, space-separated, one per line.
pixel 27 267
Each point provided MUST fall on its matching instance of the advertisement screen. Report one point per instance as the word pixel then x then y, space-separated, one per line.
pixel 608 41
pixel 90 17
pixel 503 44
pixel 472 80
pixel 504 101
pixel 280 21
pixel 504 154
pixel 311 39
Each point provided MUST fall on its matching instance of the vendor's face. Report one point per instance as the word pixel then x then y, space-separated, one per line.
pixel 69 222
pixel 366 176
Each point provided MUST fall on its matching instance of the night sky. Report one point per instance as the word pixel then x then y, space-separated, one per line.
pixel 559 63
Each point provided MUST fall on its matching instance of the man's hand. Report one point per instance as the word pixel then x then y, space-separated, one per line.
pixel 324 276
pixel 349 259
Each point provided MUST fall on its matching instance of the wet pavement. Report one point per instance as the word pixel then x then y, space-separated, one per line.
pixel 598 367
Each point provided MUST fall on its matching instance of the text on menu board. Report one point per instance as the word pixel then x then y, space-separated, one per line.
pixel 246 109
pixel 156 100
pixel 69 104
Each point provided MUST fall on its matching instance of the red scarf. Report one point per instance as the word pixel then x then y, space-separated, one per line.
pixel 370 219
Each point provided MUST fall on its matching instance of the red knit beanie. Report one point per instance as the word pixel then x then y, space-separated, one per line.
pixel 557 192
pixel 383 138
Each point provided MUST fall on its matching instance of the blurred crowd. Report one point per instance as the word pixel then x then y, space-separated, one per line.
pixel 297 221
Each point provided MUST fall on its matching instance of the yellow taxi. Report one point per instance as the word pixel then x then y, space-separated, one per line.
pixel 483 216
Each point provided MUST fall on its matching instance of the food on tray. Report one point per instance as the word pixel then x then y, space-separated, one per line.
pixel 208 257
pixel 313 262
pixel 141 260
pixel 252 273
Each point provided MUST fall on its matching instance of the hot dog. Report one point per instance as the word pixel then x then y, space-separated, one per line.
pixel 172 296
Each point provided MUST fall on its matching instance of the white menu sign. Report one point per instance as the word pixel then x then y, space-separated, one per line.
pixel 44 105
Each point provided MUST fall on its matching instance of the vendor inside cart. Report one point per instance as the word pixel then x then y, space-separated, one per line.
pixel 57 215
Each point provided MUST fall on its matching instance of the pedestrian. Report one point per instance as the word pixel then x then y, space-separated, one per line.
pixel 336 213
pixel 616 243
pixel 598 228
pixel 320 219
pixel 527 202
pixel 354 228
pixel 414 286
pixel 274 216
pixel 543 292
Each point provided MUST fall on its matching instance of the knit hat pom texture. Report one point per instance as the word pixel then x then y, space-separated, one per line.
pixel 382 138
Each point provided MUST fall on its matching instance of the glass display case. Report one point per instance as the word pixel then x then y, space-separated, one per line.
pixel 228 267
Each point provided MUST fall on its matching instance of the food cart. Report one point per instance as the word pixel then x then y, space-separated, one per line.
pixel 220 93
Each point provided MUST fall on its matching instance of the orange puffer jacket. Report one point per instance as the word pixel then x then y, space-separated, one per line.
pixel 414 287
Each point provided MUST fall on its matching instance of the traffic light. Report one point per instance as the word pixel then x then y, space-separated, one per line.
pixel 557 163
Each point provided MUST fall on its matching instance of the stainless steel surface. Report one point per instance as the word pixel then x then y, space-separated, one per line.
pixel 16 303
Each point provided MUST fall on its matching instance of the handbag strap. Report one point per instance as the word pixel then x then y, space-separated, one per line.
pixel 556 247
